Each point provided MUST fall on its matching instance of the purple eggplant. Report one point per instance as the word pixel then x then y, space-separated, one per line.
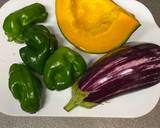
pixel 126 69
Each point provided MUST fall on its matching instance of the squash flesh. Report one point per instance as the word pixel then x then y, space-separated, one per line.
pixel 95 26
pixel 91 16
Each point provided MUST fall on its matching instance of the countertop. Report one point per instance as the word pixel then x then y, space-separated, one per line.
pixel 151 120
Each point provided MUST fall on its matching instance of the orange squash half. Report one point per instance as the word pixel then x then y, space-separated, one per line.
pixel 95 26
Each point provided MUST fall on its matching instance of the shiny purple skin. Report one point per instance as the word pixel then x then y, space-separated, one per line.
pixel 129 69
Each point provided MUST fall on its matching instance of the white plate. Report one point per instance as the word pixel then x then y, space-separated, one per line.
pixel 127 106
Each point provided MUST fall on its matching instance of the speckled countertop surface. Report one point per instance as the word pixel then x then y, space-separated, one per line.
pixel 151 120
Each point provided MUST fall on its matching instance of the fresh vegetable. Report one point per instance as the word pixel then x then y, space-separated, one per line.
pixel 40 45
pixel 62 68
pixel 16 23
pixel 95 26
pixel 127 69
pixel 25 87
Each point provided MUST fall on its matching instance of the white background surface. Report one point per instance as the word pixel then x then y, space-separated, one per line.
pixel 131 105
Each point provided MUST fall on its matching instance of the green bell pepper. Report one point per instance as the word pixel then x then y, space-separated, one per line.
pixel 16 23
pixel 25 87
pixel 62 68
pixel 40 45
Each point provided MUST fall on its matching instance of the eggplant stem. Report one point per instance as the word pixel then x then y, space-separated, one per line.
pixel 77 98
pixel 74 102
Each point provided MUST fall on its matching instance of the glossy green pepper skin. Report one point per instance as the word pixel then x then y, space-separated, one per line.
pixel 16 23
pixel 40 45
pixel 25 87
pixel 62 68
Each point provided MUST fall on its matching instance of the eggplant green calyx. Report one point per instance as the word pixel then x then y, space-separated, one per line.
pixel 77 99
